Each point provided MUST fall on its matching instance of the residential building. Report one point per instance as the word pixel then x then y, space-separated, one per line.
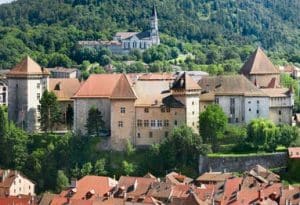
pixel 294 152
pixel 140 108
pixel 26 83
pixel 87 189
pixel 13 183
pixel 239 98
pixel 124 42
pixel 60 72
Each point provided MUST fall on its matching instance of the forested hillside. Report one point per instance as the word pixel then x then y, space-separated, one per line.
pixel 49 29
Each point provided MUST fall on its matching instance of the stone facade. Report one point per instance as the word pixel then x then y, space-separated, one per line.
pixel 81 110
pixel 3 92
pixel 241 163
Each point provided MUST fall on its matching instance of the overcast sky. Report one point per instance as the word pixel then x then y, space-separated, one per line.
pixel 5 1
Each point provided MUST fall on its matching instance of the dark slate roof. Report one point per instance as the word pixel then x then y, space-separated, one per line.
pixel 171 102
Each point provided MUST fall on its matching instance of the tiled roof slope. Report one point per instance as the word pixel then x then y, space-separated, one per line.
pixel 259 63
pixel 184 81
pixel 106 86
pixel 28 67
pixel 64 88
pixel 230 85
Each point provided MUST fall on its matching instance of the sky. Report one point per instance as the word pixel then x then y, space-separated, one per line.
pixel 5 1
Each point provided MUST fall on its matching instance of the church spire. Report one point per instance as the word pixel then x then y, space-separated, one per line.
pixel 154 26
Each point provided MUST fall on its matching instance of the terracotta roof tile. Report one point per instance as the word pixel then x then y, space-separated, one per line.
pixel 28 67
pixel 123 89
pixel 214 177
pixel 259 63
pixel 64 88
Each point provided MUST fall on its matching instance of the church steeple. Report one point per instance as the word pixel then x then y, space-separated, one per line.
pixel 154 25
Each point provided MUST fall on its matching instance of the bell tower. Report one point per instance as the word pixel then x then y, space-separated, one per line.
pixel 154 27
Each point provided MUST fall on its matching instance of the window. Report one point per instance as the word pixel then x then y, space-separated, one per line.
pixel 122 109
pixel 163 109
pixel 146 123
pixel 159 123
pixel 193 124
pixel 175 122
pixel 145 45
pixel 152 123
pixel 232 106
pixel 193 102
pixel 146 110
pixel 217 100
pixel 29 187
pixel 20 181
pixel 279 112
pixel 38 85
pixel 20 189
pixel 249 102
pixel 249 109
pixel 193 113
pixel 38 96
pixel 257 111
pixel 236 120
pixel 166 134
pixel 167 109
pixel 166 123
pixel 257 102
pixel 150 134
pixel 39 108
pixel 138 135
pixel 120 124
pixel 139 123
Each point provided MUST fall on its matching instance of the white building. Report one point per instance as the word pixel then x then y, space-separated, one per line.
pixel 13 183
pixel 26 83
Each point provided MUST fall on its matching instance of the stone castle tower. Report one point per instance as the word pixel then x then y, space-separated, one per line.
pixel 187 91
pixel 154 27
pixel 26 83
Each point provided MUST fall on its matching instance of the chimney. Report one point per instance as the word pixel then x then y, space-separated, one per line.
pixel 73 183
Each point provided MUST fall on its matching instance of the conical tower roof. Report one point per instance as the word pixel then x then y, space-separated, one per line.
pixel 28 67
pixel 259 63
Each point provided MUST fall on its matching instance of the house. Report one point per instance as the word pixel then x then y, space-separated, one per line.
pixel 124 42
pixel 294 152
pixel 140 108
pixel 290 195
pixel 13 183
pixel 20 200
pixel 85 190
pixel 60 72
pixel 178 179
pixel 291 70
pixel 241 100
pixel 213 178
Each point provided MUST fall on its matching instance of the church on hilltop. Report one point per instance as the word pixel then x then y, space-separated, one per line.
pixel 124 42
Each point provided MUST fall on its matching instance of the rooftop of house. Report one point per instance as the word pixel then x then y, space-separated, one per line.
pixel 290 194
pixel 186 82
pixel 64 88
pixel 176 178
pixel 87 188
pixel 276 92
pixel 124 35
pixel 263 174
pixel 294 152
pixel 27 67
pixel 112 86
pixel 214 177
pixel 23 200
pixel 259 63
pixel 229 85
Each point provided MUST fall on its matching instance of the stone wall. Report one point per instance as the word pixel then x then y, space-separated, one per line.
pixel 241 163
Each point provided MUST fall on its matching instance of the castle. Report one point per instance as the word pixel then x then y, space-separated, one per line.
pixel 144 108
pixel 124 42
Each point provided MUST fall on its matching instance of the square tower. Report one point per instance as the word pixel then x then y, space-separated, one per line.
pixel 26 83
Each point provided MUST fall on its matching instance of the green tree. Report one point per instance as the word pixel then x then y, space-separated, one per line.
pixel 3 135
pixel 99 167
pixel 288 135
pixel 128 167
pixel 262 134
pixel 86 169
pixel 62 181
pixel 94 123
pixel 50 111
pixel 213 122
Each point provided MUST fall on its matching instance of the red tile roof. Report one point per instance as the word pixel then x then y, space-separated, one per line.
pixel 17 201
pixel 28 67
pixel 106 86
pixel 64 88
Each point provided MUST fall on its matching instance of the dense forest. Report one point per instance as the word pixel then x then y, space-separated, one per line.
pixel 219 33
